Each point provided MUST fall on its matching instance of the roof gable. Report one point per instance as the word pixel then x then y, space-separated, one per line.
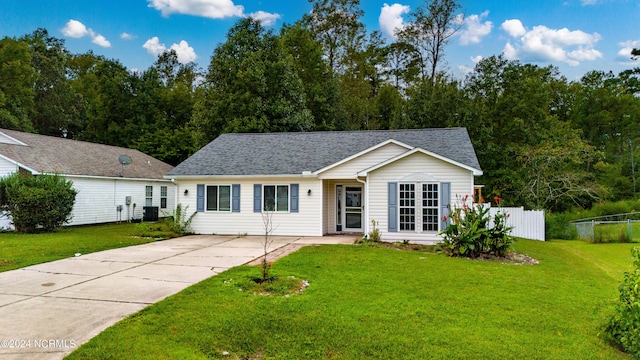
pixel 47 154
pixel 476 172
pixel 273 154
pixel 364 152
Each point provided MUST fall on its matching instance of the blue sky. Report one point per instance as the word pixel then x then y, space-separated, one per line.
pixel 575 35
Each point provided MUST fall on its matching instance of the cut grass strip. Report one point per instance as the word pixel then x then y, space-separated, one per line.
pixel 20 250
pixel 380 303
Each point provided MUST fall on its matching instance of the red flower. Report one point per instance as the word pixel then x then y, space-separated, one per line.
pixel 444 218
pixel 497 199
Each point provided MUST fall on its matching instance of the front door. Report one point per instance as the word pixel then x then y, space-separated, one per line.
pixel 349 208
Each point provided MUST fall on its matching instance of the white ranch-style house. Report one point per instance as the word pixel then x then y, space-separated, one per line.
pixel 322 183
pixel 107 190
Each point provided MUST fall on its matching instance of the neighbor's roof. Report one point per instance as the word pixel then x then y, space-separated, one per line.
pixel 48 154
pixel 293 153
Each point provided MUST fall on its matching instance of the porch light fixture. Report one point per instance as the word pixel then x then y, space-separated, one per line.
pixel 309 192
pixel 186 192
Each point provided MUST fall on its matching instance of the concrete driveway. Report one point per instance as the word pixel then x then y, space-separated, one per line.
pixel 50 309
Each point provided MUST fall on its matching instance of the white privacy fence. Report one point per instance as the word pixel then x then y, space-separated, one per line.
pixel 528 224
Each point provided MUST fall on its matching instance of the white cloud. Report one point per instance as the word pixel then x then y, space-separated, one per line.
pixel 624 53
pixel 101 41
pixel 390 19
pixel 473 29
pixel 127 36
pixel 183 50
pixel 553 45
pixel 76 29
pixel 464 69
pixel 154 47
pixel 265 18
pixel 513 27
pixel 213 9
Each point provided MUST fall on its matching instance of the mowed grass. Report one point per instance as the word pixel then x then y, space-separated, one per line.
pixel 20 250
pixel 380 303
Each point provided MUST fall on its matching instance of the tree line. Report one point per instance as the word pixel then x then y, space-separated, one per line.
pixel 542 141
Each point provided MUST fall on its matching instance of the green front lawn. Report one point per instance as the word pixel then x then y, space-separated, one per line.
pixel 381 303
pixel 20 250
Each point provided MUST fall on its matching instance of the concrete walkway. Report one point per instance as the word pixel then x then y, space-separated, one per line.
pixel 49 310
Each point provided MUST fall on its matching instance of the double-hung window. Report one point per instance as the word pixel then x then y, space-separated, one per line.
pixel 218 198
pixel 407 207
pixel 276 198
pixel 148 196
pixel 430 218
pixel 163 197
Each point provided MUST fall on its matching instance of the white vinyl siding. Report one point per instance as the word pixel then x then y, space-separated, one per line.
pixel 98 199
pixel 349 169
pixel 440 171
pixel 7 167
pixel 306 222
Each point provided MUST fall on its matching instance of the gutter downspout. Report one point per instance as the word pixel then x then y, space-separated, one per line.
pixel 365 215
pixel 176 195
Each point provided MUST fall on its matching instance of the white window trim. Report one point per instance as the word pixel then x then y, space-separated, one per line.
pixel 418 208
pixel 206 198
pixel 276 197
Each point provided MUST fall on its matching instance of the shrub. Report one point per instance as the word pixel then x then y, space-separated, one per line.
pixel 558 226
pixel 374 234
pixel 472 233
pixel 42 202
pixel 178 222
pixel 623 328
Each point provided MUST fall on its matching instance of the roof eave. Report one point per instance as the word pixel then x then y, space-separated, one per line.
pixel 222 176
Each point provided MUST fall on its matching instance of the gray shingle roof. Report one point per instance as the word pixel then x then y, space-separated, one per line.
pixel 48 154
pixel 293 153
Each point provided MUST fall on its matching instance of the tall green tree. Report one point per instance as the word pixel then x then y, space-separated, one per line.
pixel 322 90
pixel 251 86
pixel 432 26
pixel 16 85
pixel 56 103
pixel 336 25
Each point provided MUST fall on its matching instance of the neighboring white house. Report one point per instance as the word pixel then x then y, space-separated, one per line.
pixel 334 182
pixel 107 190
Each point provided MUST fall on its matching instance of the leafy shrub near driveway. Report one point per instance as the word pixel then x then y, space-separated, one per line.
pixel 623 328
pixel 471 231
pixel 42 202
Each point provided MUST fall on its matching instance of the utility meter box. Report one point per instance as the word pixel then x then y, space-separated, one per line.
pixel 127 200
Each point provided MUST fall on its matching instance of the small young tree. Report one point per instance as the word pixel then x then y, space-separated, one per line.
pixel 42 202
pixel 267 223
